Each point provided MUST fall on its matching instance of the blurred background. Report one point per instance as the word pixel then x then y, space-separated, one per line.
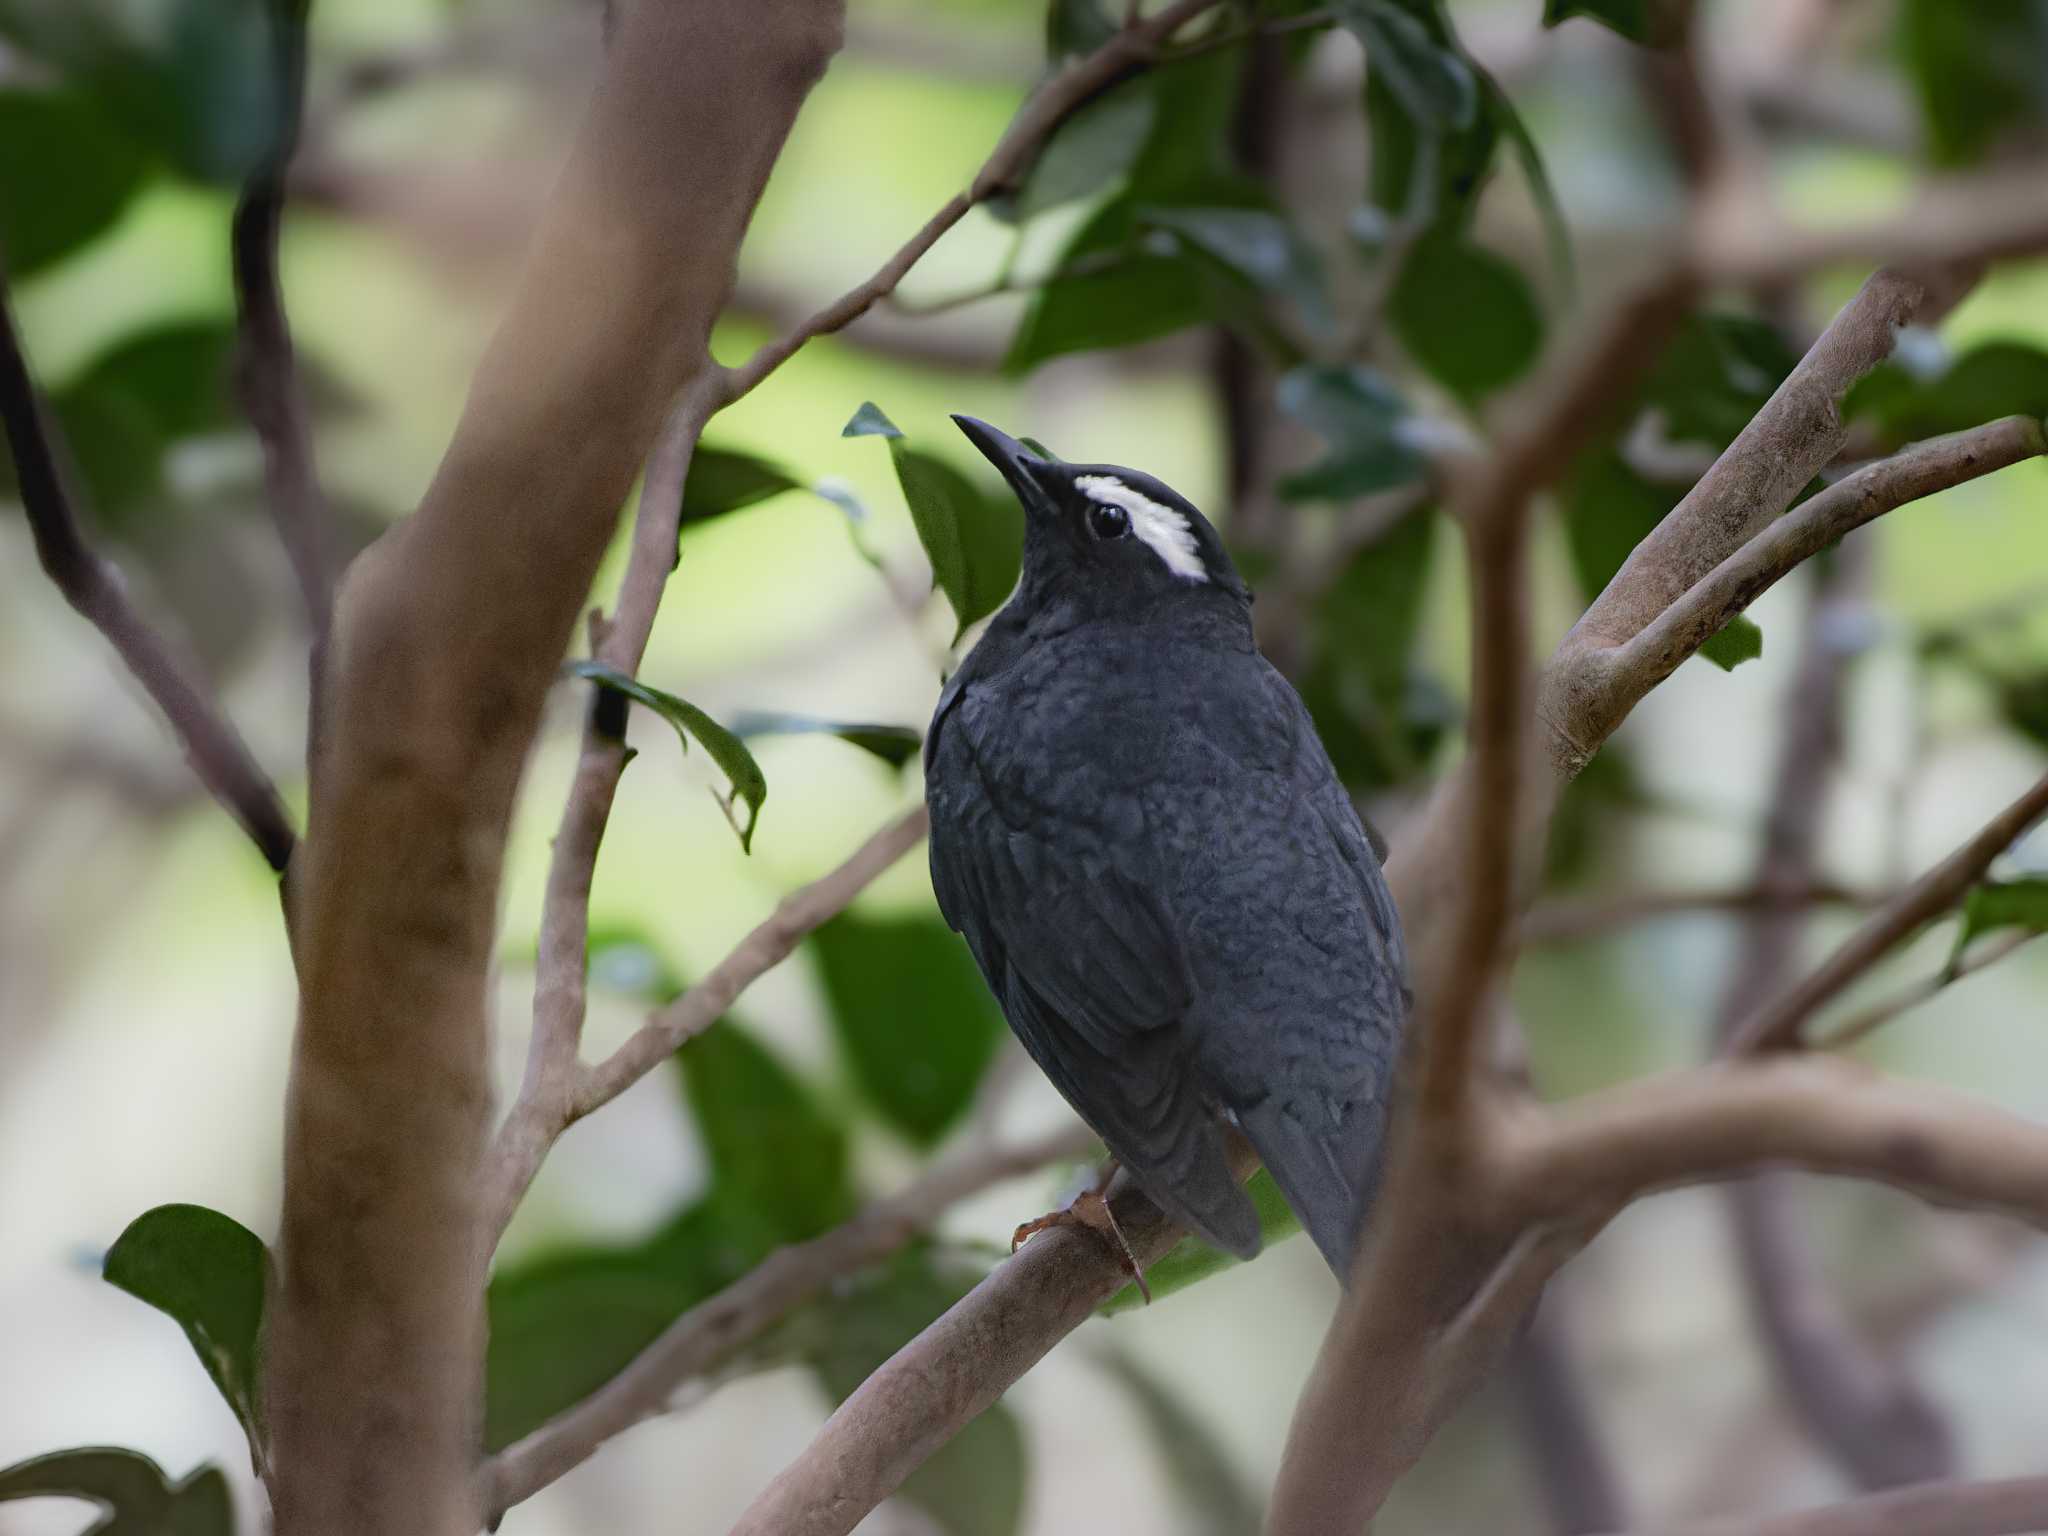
pixel 146 996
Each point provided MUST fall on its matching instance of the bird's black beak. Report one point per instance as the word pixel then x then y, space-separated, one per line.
pixel 1020 467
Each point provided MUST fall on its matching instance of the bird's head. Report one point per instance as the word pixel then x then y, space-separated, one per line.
pixel 1099 535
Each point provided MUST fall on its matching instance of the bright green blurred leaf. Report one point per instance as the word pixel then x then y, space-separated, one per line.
pixel 1981 72
pixel 1737 641
pixel 725 480
pixel 64 176
pixel 770 1143
pixel 1994 905
pixel 748 783
pixel 1466 315
pixel 893 744
pixel 1192 1261
pixel 1212 1498
pixel 1362 418
pixel 1653 23
pixel 913 1015
pixel 206 1272
pixel 134 1497
pixel 974 1484
pixel 869 421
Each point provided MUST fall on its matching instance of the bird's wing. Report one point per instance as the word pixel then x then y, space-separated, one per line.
pixel 1087 966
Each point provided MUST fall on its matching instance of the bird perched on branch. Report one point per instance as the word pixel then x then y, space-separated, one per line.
pixel 1141 838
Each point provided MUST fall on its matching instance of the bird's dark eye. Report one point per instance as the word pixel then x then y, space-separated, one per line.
pixel 1108 522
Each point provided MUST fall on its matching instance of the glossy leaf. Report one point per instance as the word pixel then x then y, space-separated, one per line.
pixel 133 1495
pixel 1994 905
pixel 64 176
pixel 1096 146
pixel 1466 315
pixel 974 1484
pixel 748 783
pixel 1192 1261
pixel 869 421
pixel 893 744
pixel 1978 70
pixel 1212 1498
pixel 1430 126
pixel 911 1012
pixel 207 1273
pixel 1363 419
pixel 770 1143
pixel 1258 247
pixel 723 480
pixel 1654 23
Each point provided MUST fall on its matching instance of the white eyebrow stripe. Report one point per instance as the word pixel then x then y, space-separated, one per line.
pixel 1164 530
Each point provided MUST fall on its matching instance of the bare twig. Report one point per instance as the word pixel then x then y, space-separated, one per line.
pixel 2011 1507
pixel 1877 1015
pixel 92 585
pixel 1777 1025
pixel 1130 48
pixel 1569 920
pixel 714 1330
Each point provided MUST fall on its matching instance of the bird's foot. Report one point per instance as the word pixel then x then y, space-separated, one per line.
pixel 1091 1210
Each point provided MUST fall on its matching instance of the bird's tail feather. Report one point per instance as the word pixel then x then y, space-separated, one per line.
pixel 1327 1173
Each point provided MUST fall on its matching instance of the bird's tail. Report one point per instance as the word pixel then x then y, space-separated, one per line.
pixel 1326 1163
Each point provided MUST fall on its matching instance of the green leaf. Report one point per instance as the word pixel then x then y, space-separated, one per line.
pixel 1260 248
pixel 893 744
pixel 1075 27
pixel 196 81
pixel 1737 641
pixel 1997 378
pixel 869 421
pixel 64 177
pixel 2000 904
pixel 206 1272
pixel 727 750
pixel 723 480
pixel 1653 23
pixel 1096 146
pixel 1979 72
pixel 1466 315
pixel 973 1485
pixel 1362 418
pixel 1212 1497
pixel 772 1148
pixel 134 1497
pixel 913 1015
pixel 1192 1261
pixel 1431 129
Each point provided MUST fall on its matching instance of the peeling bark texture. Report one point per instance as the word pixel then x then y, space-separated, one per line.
pixel 431 697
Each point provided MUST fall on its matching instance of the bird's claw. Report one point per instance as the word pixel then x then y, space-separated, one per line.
pixel 1090 1210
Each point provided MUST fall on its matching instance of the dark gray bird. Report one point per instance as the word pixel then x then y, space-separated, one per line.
pixel 1142 840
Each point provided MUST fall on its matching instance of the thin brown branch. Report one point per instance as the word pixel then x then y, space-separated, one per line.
pixel 95 588
pixel 2010 1507
pixel 1869 1020
pixel 714 1330
pixel 1574 919
pixel 1778 1024
pixel 1056 99
pixel 1922 470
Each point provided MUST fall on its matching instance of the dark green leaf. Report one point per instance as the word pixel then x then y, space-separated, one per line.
pixel 893 744
pixel 1260 248
pixel 207 1273
pixel 1994 905
pixel 748 783
pixel 1212 1497
pixel 1075 27
pixel 1466 315
pixel 911 1011
pixel 1138 299
pixel 974 1485
pixel 1737 641
pixel 1093 148
pixel 1432 130
pixel 134 1497
pixel 63 176
pixel 869 421
pixel 1653 23
pixel 1192 1260
pixel 1998 378
pixel 194 80
pixel 178 376
pixel 1981 71
pixel 1362 418
pixel 725 480
pixel 622 958
pixel 117 451
pixel 771 1146
pixel 974 541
